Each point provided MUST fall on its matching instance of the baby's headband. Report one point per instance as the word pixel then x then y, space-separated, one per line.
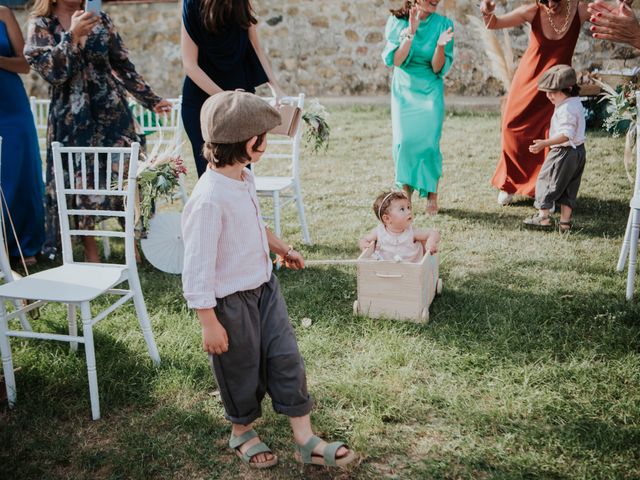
pixel 382 203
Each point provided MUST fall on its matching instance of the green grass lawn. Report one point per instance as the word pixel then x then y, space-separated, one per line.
pixel 528 368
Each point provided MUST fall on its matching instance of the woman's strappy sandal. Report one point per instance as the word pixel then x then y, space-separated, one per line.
pixel 236 442
pixel 305 455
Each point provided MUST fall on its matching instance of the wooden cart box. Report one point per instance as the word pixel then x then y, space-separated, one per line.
pixel 396 290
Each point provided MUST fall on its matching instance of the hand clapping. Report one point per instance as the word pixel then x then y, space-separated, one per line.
pixel 445 37
pixel 414 19
pixel 614 23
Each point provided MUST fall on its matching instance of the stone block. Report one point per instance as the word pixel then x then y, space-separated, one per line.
pixel 352 35
pixel 319 22
pixel 374 37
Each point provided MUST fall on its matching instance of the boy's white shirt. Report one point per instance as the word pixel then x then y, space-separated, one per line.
pixel 225 241
pixel 568 119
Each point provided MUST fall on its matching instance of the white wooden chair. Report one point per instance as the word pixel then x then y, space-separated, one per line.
pixel 631 234
pixel 77 283
pixel 5 266
pixel 284 189
pixel 40 112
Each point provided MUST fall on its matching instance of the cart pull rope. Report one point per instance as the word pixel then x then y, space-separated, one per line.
pixel 331 262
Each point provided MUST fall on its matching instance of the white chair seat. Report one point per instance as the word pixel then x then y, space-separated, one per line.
pixel 271 184
pixel 68 284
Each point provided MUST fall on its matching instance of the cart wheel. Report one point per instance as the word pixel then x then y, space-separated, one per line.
pixel 355 307
pixel 424 317
pixel 439 287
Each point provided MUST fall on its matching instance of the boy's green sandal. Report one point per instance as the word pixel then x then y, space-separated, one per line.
pixel 536 221
pixel 305 455
pixel 236 442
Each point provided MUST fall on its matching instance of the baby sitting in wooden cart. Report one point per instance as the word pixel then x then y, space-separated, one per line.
pixel 398 267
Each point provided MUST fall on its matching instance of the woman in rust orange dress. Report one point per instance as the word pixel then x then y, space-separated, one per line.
pixel 555 26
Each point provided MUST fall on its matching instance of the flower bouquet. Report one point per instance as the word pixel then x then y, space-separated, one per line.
pixel 158 176
pixel 318 131
pixel 622 113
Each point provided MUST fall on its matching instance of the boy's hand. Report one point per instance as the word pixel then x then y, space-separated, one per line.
pixel 214 338
pixel 293 260
pixel 432 247
pixel 537 146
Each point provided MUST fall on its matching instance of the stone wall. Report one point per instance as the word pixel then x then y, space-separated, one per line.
pixel 329 47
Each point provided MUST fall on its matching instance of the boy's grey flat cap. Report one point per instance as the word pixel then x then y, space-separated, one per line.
pixel 232 117
pixel 557 78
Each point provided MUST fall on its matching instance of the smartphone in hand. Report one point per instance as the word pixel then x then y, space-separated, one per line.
pixel 93 6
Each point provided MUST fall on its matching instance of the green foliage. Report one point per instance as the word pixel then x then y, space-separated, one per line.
pixel 157 178
pixel 318 130
pixel 621 107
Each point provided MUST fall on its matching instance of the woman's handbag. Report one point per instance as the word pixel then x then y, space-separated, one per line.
pixel 290 119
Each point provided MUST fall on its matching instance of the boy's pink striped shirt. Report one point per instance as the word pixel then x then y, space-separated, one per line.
pixel 225 242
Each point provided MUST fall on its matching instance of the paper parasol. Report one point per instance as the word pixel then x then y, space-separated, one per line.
pixel 163 246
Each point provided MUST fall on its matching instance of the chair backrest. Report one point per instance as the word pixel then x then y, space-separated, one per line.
pixel 40 112
pixel 98 172
pixel 284 147
pixel 163 128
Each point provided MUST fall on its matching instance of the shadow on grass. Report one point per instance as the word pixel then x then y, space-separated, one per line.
pixel 503 220
pixel 500 310
pixel 40 434
pixel 53 380
pixel 597 217
pixel 594 217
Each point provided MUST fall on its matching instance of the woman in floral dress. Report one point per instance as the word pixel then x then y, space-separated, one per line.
pixel 83 58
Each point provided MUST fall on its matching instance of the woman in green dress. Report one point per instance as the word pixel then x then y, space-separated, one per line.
pixel 420 48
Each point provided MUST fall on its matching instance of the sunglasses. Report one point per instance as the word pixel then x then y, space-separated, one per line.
pixel 546 2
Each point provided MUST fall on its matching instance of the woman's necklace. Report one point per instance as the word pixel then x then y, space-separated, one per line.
pixel 560 30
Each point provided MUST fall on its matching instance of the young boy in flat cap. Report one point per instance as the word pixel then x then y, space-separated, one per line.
pixel 559 178
pixel 227 277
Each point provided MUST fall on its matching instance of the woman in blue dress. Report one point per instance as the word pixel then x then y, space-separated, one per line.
pixel 420 48
pixel 220 51
pixel 21 168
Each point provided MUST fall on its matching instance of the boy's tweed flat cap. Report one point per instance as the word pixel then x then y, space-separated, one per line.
pixel 232 117
pixel 557 78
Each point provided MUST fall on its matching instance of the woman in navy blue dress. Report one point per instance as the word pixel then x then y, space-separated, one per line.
pixel 21 167
pixel 220 51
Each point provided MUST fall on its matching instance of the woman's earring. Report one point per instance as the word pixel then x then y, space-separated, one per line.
pixel 54 1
